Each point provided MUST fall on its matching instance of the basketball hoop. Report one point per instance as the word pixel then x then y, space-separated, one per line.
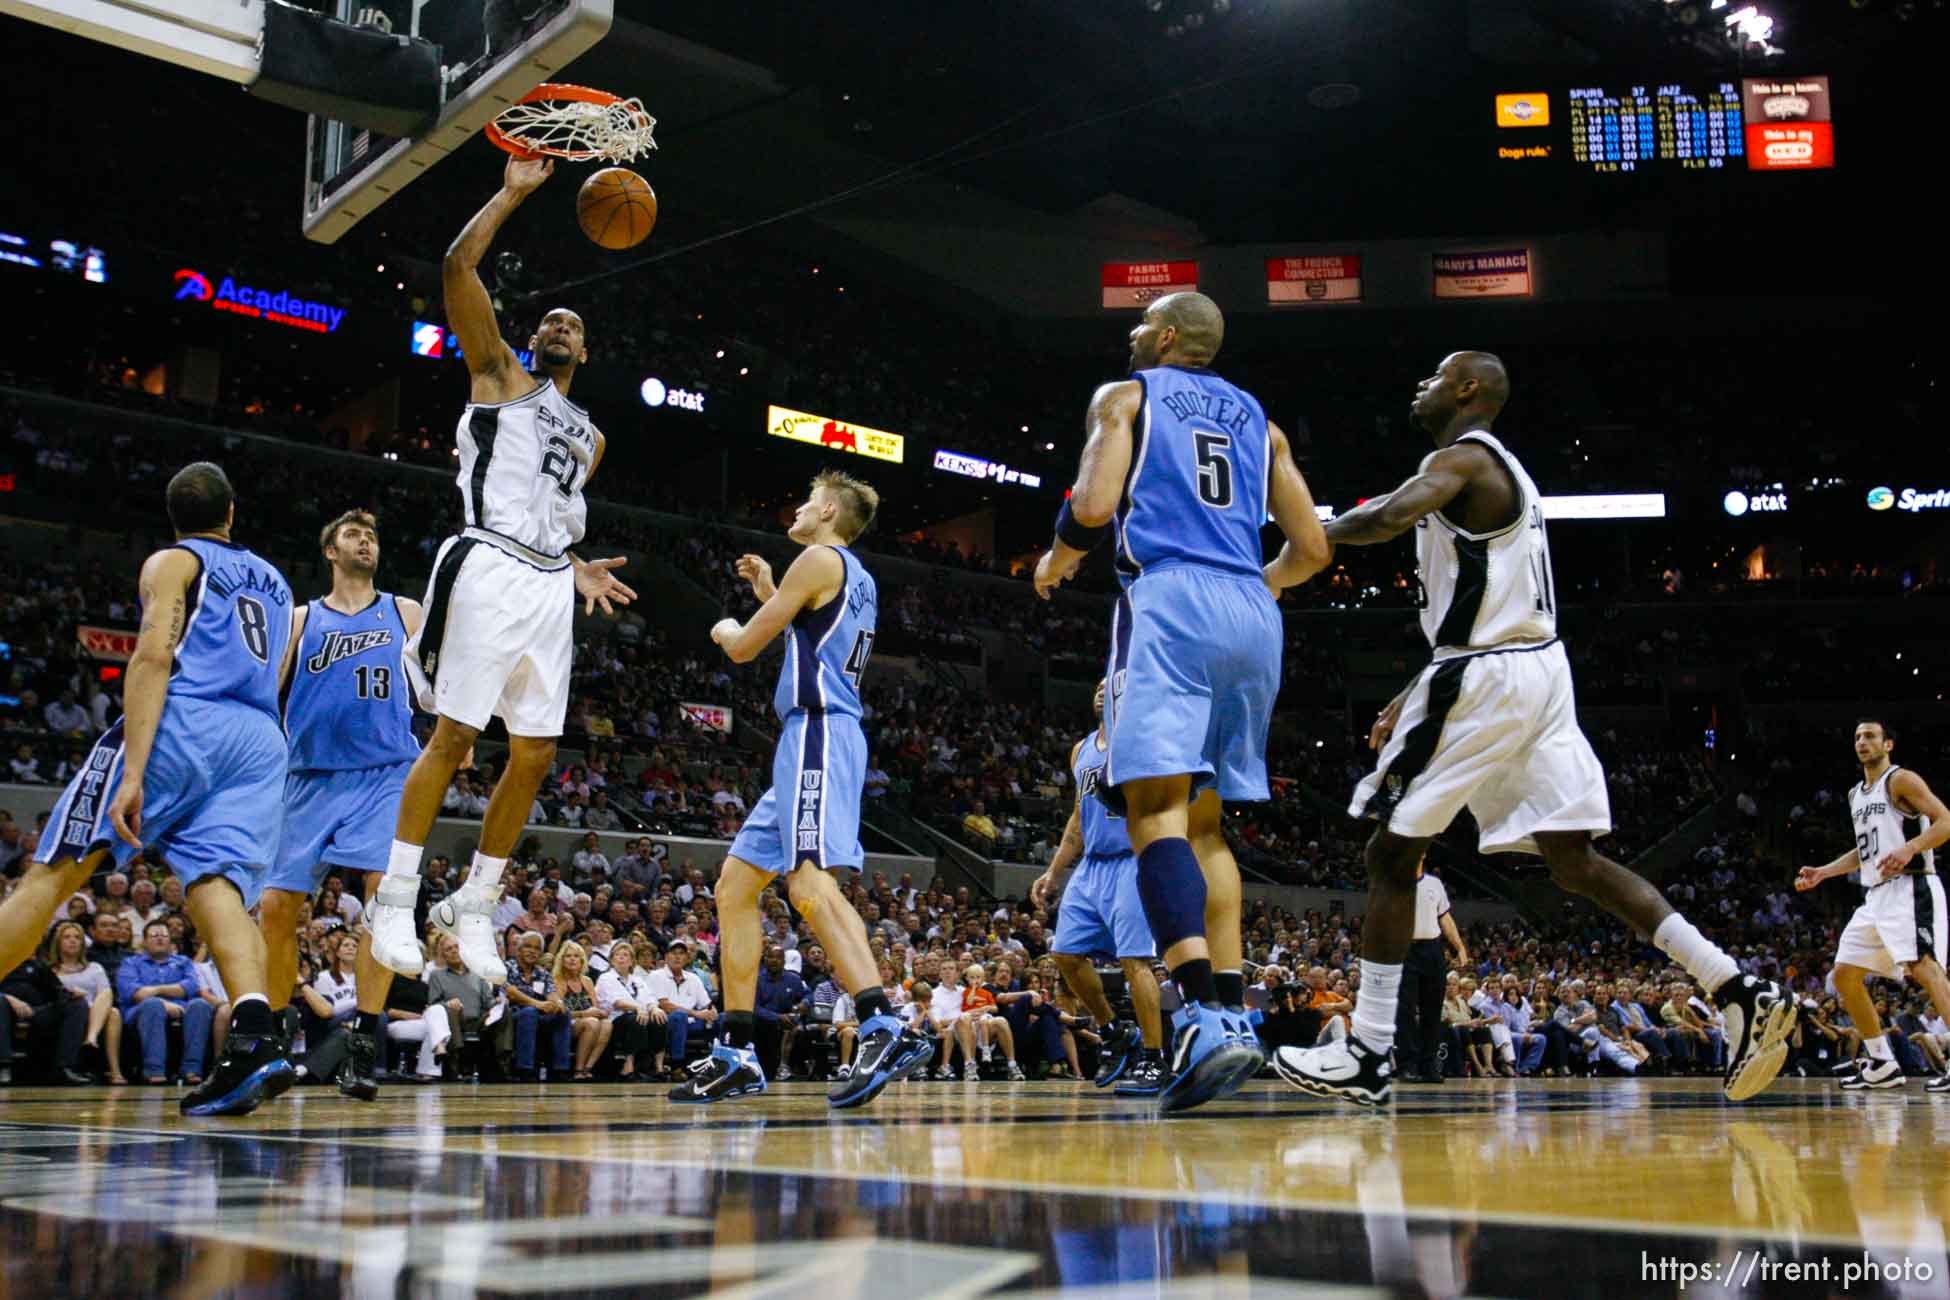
pixel 558 120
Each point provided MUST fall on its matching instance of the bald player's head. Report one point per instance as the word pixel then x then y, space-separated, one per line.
pixel 1470 387
pixel 1180 329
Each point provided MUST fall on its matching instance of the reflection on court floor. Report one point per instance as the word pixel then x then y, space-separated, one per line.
pixel 943 1189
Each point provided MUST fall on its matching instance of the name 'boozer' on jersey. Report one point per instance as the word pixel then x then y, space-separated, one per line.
pixel 1197 487
pixel 1487 589
pixel 826 649
pixel 522 467
pixel 348 706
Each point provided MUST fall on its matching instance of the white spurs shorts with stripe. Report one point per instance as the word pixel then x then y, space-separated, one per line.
pixel 498 639
pixel 1900 921
pixel 1495 731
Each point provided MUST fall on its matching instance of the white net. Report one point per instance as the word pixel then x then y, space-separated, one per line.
pixel 580 131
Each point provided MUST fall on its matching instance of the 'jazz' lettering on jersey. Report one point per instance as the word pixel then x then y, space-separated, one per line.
pixel 343 645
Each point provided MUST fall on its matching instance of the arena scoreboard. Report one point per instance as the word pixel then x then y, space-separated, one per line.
pixel 1755 124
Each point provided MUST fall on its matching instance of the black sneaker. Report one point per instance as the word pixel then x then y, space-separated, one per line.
pixel 728 1072
pixel 888 1051
pixel 1846 1070
pixel 361 1062
pixel 1121 1039
pixel 1876 1074
pixel 1939 1084
pixel 1760 1018
pixel 252 1071
pixel 1145 1078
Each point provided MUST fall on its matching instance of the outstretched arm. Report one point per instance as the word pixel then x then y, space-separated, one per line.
pixel 1069 849
pixel 817 571
pixel 1307 550
pixel 1100 478
pixel 470 311
pixel 1913 792
pixel 165 587
pixel 1808 877
pixel 1441 479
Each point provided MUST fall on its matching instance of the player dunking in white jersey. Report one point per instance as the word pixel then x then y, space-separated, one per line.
pixel 1900 928
pixel 500 611
pixel 1492 724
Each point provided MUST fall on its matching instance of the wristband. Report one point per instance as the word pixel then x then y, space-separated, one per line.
pixel 1074 535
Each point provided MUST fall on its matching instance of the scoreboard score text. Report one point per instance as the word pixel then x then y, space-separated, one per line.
pixel 1757 124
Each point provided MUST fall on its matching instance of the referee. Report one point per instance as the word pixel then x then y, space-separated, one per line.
pixel 1418 1013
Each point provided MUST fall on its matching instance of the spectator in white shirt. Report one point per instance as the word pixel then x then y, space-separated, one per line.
pixel 589 857
pixel 944 1017
pixel 638 1022
pixel 683 998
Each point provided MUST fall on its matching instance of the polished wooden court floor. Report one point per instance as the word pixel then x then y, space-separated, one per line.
pixel 1526 1188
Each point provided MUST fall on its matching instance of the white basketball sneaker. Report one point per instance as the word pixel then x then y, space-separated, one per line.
pixel 395 938
pixel 467 915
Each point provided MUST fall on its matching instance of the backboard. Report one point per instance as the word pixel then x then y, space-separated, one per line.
pixel 493 53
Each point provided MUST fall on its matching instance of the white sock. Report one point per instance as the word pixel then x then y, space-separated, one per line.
pixel 1374 1005
pixel 486 875
pixel 1703 959
pixel 1878 1047
pixel 405 859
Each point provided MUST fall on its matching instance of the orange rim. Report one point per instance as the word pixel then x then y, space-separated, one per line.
pixel 549 90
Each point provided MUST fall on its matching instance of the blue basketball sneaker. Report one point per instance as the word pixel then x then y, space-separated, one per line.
pixel 1240 1026
pixel 254 1069
pixel 728 1072
pixel 888 1051
pixel 1208 1060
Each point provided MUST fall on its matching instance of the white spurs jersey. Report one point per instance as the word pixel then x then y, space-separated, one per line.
pixel 1481 590
pixel 1880 826
pixel 522 467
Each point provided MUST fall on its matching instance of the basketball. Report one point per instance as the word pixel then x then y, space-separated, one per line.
pixel 617 208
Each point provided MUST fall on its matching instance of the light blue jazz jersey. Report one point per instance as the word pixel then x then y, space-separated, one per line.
pixel 1102 912
pixel 212 793
pixel 1195 639
pixel 349 715
pixel 812 811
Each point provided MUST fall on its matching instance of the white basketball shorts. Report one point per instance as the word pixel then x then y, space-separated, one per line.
pixel 499 639
pixel 1900 921
pixel 1496 731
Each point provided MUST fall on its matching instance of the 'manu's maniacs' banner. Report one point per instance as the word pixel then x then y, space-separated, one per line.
pixel 1497 273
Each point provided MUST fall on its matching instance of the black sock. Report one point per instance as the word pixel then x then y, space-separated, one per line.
pixel 1195 982
pixel 1232 987
pixel 738 1028
pixel 367 1023
pixel 252 1019
pixel 868 1003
